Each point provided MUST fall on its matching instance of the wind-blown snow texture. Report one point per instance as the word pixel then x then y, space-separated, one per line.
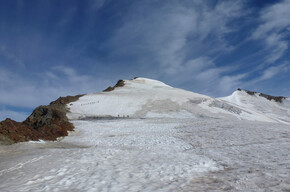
pixel 147 136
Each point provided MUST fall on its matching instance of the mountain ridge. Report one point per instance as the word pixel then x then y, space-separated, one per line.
pixel 269 97
pixel 138 98
pixel 46 122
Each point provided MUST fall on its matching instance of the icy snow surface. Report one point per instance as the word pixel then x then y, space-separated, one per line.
pixel 163 154
pixel 147 136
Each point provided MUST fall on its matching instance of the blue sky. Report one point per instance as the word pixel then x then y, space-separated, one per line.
pixel 67 47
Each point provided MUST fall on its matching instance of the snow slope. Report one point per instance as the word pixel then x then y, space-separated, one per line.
pixel 147 98
pixel 138 98
pixel 279 112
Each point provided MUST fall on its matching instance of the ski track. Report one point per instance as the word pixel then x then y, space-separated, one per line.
pixel 155 155
pixel 20 165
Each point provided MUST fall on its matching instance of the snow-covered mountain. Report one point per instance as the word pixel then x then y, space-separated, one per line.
pixel 143 135
pixel 265 106
pixel 147 98
pixel 138 98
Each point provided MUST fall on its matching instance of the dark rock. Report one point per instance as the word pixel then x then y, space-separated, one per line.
pixel 120 83
pixel 109 89
pixel 17 132
pixel 66 100
pixel 269 97
pixel 275 98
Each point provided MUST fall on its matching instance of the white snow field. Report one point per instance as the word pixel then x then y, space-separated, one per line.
pixel 147 136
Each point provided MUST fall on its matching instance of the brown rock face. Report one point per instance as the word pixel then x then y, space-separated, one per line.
pixel 12 131
pixel 120 83
pixel 269 97
pixel 45 122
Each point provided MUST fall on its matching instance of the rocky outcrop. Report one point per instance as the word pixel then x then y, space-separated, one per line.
pixel 269 97
pixel 12 131
pixel 120 83
pixel 46 122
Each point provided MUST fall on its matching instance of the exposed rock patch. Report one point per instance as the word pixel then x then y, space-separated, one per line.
pixel 46 122
pixel 120 83
pixel 12 131
pixel 269 97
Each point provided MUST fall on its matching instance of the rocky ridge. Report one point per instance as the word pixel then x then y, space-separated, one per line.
pixel 120 83
pixel 46 122
pixel 269 97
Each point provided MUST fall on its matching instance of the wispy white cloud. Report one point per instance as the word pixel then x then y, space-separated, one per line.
pixel 229 83
pixel 273 71
pixel 264 81
pixel 218 81
pixel 21 91
pixel 177 38
pixel 273 29
pixel 278 45
pixel 17 116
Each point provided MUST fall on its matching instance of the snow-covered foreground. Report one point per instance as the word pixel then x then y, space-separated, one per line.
pixel 157 154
